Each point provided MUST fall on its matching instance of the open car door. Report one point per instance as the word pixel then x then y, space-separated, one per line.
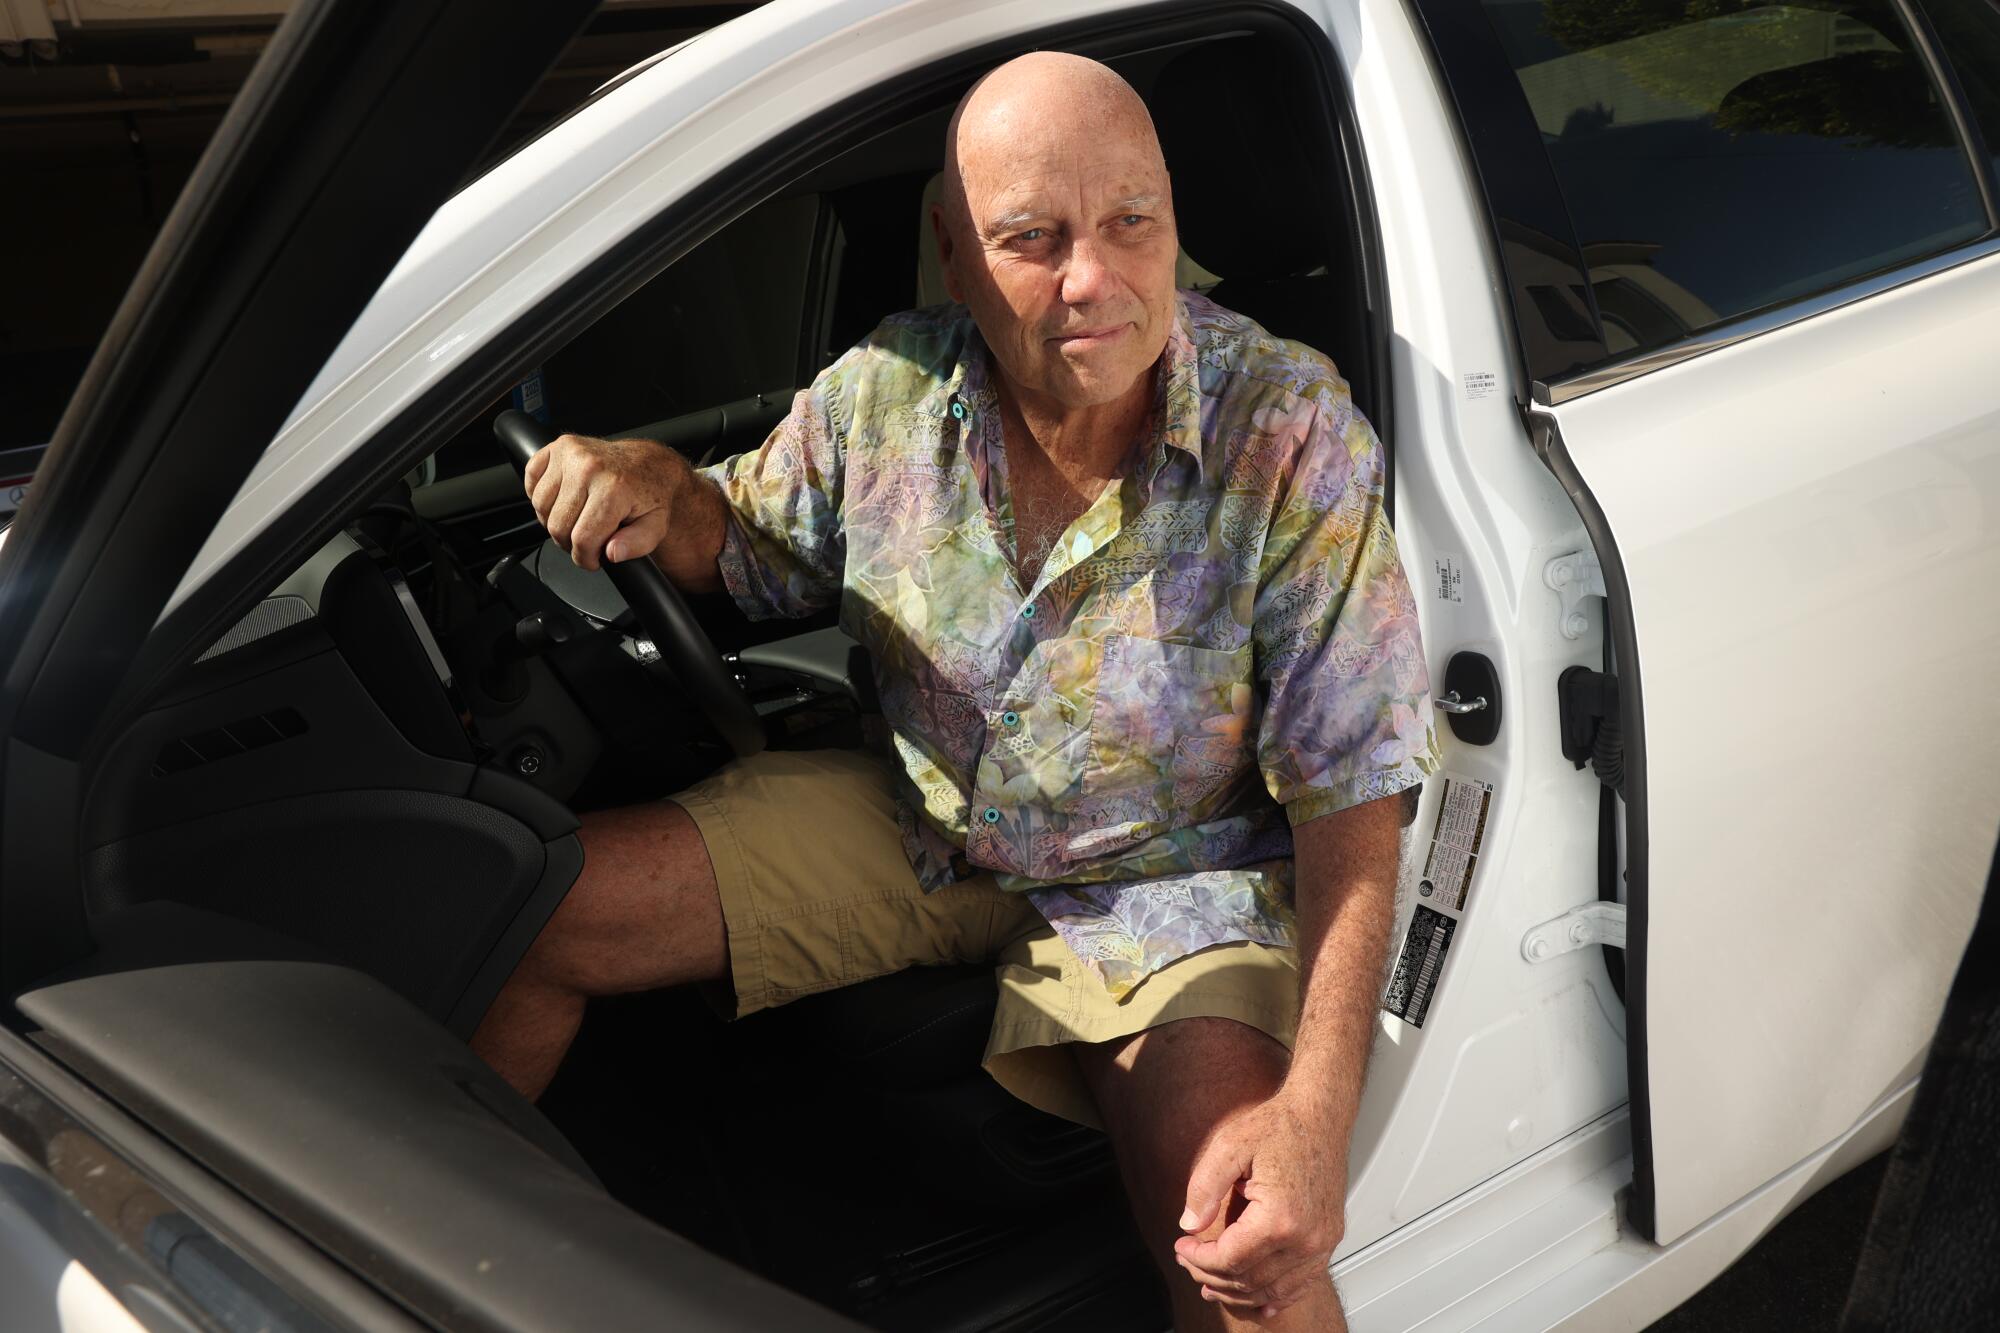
pixel 1799 543
pixel 331 1156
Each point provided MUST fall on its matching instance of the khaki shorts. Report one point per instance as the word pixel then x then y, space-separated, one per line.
pixel 816 893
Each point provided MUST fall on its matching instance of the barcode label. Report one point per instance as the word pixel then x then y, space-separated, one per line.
pixel 1449 584
pixel 1418 966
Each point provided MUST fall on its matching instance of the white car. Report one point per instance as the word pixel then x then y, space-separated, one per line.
pixel 1679 331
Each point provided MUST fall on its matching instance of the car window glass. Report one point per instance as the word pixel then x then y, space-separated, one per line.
pixel 1720 157
pixel 721 324
pixel 1969 35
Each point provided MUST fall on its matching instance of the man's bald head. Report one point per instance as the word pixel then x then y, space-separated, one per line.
pixel 1056 226
pixel 1031 99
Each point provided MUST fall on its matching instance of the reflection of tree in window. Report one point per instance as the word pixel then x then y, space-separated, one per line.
pixel 1719 157
pixel 1774 69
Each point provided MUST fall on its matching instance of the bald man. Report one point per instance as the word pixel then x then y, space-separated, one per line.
pixel 1152 673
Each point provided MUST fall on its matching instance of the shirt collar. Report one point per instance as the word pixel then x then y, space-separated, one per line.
pixel 1177 373
pixel 1180 392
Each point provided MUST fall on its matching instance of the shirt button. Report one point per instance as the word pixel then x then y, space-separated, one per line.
pixel 957 410
pixel 992 816
pixel 1010 719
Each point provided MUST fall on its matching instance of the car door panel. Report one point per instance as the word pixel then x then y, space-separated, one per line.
pixel 1805 524
pixel 474 1211
pixel 286 1087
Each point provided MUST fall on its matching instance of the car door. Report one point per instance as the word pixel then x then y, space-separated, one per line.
pixel 1756 279
pixel 225 1127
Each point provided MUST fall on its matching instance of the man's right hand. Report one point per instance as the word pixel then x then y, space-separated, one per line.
pixel 605 501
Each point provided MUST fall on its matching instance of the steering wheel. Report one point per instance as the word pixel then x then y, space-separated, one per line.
pixel 657 604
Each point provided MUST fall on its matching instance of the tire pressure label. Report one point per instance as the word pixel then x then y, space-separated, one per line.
pixel 1454 853
pixel 1417 969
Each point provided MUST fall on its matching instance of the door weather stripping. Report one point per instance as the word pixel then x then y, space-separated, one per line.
pixel 1578 928
pixel 1574 577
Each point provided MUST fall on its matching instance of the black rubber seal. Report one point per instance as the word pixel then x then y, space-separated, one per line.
pixel 1548 441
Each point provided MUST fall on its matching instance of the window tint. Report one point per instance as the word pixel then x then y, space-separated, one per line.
pixel 723 323
pixel 1719 156
pixel 1969 34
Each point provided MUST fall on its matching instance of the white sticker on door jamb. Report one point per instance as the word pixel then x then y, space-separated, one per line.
pixel 1449 580
pixel 1455 842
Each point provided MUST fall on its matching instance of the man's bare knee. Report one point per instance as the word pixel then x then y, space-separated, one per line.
pixel 645 912
pixel 1162 1093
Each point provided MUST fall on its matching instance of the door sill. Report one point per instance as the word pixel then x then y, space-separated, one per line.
pixel 1546 1246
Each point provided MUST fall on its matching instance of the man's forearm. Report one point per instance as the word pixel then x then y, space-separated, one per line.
pixel 693 542
pixel 1345 871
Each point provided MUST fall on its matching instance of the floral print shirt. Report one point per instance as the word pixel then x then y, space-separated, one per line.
pixel 1223 646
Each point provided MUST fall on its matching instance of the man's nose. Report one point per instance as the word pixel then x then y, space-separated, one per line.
pixel 1087 279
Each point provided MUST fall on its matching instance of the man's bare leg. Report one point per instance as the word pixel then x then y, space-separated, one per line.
pixel 1162 1093
pixel 645 913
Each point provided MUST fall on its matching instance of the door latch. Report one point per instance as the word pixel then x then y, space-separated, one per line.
pixel 1578 928
pixel 1574 577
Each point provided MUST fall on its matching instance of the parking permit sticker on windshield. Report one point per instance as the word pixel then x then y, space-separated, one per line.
pixel 1417 969
pixel 1455 842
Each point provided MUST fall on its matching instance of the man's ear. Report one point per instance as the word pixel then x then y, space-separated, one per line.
pixel 946 253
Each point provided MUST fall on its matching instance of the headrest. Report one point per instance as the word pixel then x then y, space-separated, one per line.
pixel 1234 130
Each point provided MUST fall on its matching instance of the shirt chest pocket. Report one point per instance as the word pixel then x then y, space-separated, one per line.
pixel 1171 731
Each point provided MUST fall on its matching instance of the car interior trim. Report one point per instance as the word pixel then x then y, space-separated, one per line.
pixel 1557 392
pixel 473 1172
pixel 36 1091
pixel 565 865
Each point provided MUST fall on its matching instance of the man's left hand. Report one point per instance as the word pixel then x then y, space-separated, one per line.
pixel 1286 1162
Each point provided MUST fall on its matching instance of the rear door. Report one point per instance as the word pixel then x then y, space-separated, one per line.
pixel 1757 288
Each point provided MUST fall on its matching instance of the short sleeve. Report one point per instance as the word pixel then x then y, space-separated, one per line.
pixel 783 550
pixel 1347 715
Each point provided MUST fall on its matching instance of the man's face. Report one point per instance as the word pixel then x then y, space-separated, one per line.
pixel 1062 245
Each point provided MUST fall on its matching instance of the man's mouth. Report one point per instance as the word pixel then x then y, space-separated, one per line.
pixel 1085 338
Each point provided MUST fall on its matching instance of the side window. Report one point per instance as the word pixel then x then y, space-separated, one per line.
pixel 1969 34
pixel 705 357
pixel 723 324
pixel 1720 157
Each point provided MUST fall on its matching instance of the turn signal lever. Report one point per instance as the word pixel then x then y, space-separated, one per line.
pixel 504 678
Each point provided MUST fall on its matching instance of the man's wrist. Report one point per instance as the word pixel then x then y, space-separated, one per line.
pixel 1322 1093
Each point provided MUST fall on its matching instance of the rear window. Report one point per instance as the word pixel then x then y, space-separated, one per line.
pixel 1720 158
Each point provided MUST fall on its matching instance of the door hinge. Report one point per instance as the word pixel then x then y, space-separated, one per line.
pixel 1578 928
pixel 1574 577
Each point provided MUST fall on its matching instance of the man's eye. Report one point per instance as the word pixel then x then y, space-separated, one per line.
pixel 1032 234
pixel 1133 219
